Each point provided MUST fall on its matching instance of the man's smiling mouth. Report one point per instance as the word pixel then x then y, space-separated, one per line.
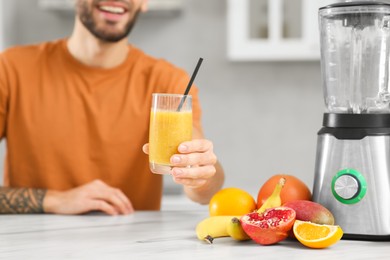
pixel 112 9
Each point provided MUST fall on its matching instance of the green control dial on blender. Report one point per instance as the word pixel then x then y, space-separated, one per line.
pixel 349 186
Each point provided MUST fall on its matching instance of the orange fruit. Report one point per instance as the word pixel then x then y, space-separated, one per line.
pixel 316 235
pixel 294 189
pixel 231 202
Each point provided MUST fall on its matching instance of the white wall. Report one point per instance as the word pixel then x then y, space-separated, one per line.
pixel 263 117
pixel 1 25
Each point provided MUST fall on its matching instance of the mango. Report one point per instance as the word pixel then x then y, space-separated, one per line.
pixel 311 211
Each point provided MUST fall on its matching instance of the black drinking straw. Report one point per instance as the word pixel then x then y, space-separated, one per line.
pixel 190 83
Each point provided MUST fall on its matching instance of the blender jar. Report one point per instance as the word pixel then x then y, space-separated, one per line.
pixel 355 53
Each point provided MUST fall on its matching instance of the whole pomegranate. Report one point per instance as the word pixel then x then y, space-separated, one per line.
pixel 269 227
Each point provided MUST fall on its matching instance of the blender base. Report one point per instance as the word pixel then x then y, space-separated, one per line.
pixel 352 175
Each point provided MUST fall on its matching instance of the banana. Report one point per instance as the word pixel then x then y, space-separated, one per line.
pixel 235 230
pixel 273 200
pixel 213 227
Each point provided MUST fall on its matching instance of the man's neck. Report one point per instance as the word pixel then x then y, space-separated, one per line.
pixel 93 52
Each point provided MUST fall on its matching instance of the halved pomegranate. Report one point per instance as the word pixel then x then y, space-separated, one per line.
pixel 269 227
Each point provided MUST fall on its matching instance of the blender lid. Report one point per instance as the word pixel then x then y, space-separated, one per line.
pixel 355 13
pixel 354 3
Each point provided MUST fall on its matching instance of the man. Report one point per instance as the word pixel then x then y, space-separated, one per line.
pixel 75 116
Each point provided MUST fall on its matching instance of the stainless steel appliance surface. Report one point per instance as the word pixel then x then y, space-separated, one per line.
pixel 352 172
pixel 352 180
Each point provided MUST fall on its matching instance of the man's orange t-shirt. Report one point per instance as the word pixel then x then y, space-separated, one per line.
pixel 67 124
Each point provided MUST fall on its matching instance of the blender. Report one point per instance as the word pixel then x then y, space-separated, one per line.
pixel 352 169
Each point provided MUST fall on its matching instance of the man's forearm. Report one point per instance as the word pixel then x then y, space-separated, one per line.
pixel 21 200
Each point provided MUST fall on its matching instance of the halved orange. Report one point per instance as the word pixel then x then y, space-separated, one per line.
pixel 316 235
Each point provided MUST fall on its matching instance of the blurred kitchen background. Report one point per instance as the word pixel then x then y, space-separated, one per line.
pixel 260 82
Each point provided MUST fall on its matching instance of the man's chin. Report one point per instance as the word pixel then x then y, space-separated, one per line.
pixel 110 37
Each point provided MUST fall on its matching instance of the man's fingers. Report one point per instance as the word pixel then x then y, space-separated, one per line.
pixel 193 159
pixel 202 172
pixel 196 145
pixel 126 202
pixel 116 198
pixel 101 205
pixel 145 148
pixel 113 196
pixel 95 195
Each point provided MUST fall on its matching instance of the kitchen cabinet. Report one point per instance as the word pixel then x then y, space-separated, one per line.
pixel 273 29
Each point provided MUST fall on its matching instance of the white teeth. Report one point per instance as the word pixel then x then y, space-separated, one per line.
pixel 113 9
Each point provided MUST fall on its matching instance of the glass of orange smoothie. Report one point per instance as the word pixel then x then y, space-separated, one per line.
pixel 170 125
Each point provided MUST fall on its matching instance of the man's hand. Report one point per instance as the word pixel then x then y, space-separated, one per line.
pixel 195 166
pixel 93 196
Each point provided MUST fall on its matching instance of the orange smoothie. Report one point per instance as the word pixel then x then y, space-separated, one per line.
pixel 167 130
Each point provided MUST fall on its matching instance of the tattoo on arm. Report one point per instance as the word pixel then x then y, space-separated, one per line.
pixel 21 200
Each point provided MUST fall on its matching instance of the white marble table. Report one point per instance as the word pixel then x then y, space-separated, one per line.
pixel 167 234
